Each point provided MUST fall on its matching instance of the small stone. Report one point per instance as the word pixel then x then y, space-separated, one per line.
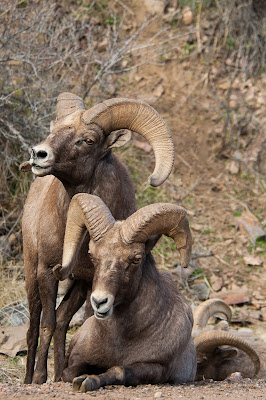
pixel 233 167
pixel 158 395
pixel 202 291
pixel 251 260
pixel 158 91
pixel 263 313
pixel 216 282
pixel 235 377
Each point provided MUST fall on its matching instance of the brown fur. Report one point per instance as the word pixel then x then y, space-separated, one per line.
pixel 146 338
pixel 85 168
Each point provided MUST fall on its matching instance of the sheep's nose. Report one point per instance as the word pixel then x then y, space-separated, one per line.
pixel 40 154
pixel 99 302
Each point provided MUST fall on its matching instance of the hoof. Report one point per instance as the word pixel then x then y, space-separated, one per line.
pixel 89 384
pixel 77 382
pixel 85 383
pixel 39 380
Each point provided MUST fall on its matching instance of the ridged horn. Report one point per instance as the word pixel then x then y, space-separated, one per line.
pixel 68 103
pixel 208 308
pixel 137 116
pixel 86 212
pixel 161 218
pixel 206 342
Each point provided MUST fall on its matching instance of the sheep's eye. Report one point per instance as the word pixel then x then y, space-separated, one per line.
pixel 136 260
pixel 89 141
pixel 79 143
pixel 90 255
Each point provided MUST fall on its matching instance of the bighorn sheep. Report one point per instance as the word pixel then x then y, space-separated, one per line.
pixel 213 360
pixel 141 328
pixel 78 154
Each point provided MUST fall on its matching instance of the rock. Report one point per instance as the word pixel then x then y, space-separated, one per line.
pixel 102 46
pixel 158 395
pixel 250 225
pixel 235 377
pixel 12 239
pixel 251 260
pixel 263 313
pixel 158 91
pixel 13 339
pixel 232 297
pixel 216 282
pixel 233 167
pixel 196 227
pixel 154 6
pixel 187 16
pixel 15 314
pixel 202 291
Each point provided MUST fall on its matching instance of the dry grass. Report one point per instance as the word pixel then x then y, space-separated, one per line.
pixel 12 284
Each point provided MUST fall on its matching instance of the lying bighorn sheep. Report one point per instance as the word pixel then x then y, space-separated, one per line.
pixel 78 154
pixel 141 328
pixel 213 360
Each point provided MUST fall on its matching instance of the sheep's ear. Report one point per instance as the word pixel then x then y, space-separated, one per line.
pixel 151 242
pixel 118 138
pixel 226 354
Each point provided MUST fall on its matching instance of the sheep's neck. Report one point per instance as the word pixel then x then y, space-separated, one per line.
pixel 93 178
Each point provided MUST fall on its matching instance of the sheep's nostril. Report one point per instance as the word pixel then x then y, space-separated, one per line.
pixel 33 153
pixel 42 154
pixel 99 303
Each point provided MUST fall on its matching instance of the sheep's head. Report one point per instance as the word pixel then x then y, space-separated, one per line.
pixel 79 138
pixel 217 348
pixel 118 249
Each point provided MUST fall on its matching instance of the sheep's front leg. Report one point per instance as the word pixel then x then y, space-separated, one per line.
pixel 133 375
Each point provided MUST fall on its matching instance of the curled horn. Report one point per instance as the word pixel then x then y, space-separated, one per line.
pixel 86 212
pixel 160 218
pixel 208 308
pixel 137 116
pixel 68 103
pixel 207 342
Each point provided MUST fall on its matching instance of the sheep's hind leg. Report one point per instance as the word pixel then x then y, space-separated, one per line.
pixel 70 304
pixel 48 291
pixel 33 331
pixel 133 375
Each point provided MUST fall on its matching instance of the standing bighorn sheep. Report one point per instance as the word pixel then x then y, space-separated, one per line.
pixel 215 361
pixel 78 154
pixel 141 328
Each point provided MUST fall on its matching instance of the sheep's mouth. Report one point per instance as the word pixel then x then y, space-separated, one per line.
pixel 40 170
pixel 104 315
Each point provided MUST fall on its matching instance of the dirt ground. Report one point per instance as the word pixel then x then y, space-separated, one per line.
pixel 246 390
pixel 216 186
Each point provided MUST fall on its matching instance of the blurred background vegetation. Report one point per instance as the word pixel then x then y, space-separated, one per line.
pixel 89 47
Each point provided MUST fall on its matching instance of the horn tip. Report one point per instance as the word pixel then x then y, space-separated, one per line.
pixel 155 180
